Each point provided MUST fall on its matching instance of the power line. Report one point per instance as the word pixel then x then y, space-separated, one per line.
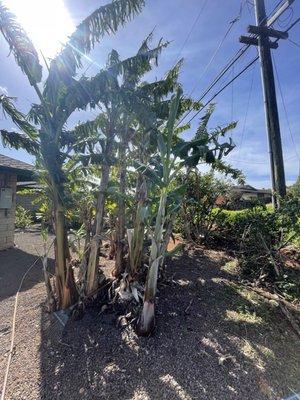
pixel 232 61
pixel 247 109
pixel 285 109
pixel 224 70
pixel 284 22
pixel 293 24
pixel 248 161
pixel 257 162
pixel 236 57
pixel 231 24
pixel 294 43
pixel 190 31
pixel 232 97
pixel 224 87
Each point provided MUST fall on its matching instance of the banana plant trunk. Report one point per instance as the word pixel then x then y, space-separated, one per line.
pixel 120 226
pixel 137 243
pixel 93 280
pixel 65 282
pixel 65 285
pixel 146 322
pixel 92 267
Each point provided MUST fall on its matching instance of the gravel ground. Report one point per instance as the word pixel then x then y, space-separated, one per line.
pixel 213 340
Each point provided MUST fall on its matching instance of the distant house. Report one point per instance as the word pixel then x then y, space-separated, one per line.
pixel 247 193
pixel 244 196
pixel 11 172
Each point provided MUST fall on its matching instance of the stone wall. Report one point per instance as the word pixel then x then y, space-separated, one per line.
pixel 7 216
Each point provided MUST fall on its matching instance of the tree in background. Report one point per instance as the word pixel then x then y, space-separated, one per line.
pixel 295 188
pixel 205 196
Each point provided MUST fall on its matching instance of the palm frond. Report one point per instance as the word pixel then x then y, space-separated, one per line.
pixel 187 104
pixel 16 116
pixel 20 45
pixel 141 110
pixel 37 114
pixel 18 141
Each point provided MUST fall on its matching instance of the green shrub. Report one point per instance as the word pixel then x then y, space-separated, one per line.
pixel 23 218
pixel 196 218
pixel 259 235
pixel 231 225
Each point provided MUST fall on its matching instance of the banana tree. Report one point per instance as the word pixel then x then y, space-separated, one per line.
pixel 147 104
pixel 173 155
pixel 116 82
pixel 61 96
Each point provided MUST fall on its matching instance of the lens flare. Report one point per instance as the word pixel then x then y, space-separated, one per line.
pixel 47 23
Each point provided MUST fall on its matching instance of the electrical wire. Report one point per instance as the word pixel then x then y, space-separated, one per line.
pixel 293 42
pixel 258 162
pixel 293 24
pixel 223 88
pixel 225 69
pixel 247 161
pixel 283 22
pixel 232 96
pixel 285 109
pixel 247 110
pixel 231 24
pixel 190 32
pixel 237 55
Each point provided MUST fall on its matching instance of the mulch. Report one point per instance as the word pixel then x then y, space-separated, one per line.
pixel 199 351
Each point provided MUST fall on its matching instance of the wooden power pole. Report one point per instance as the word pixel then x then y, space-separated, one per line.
pixel 261 39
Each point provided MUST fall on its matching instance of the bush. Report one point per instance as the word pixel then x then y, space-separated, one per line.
pixel 260 235
pixel 231 225
pixel 197 217
pixel 23 218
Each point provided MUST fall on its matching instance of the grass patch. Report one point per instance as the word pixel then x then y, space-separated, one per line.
pixel 247 306
pixel 242 316
pixel 231 268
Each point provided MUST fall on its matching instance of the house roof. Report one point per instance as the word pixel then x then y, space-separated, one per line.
pixel 23 170
pixel 245 188
pixel 250 189
pixel 29 185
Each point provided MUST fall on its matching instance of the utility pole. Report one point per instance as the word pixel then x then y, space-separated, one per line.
pixel 261 39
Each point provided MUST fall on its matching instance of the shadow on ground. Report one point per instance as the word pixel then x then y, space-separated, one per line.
pixel 213 341
pixel 15 262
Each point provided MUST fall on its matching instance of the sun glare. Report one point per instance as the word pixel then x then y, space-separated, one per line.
pixel 47 23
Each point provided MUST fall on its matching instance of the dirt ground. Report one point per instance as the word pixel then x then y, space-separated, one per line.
pixel 214 340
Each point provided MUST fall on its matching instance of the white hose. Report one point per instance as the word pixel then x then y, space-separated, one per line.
pixel 13 329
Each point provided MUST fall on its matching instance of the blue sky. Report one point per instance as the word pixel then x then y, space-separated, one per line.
pixel 172 20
